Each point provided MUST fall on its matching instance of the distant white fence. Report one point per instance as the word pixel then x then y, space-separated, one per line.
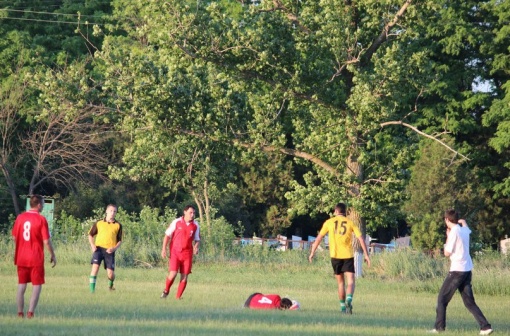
pixel 280 243
pixel 505 246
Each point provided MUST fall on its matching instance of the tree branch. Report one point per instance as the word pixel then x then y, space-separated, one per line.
pixel 387 123
pixel 383 36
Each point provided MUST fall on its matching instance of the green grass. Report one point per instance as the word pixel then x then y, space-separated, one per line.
pixel 212 303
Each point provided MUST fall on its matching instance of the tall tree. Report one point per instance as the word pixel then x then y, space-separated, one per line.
pixel 317 74
pixel 440 181
pixel 36 36
pixel 67 137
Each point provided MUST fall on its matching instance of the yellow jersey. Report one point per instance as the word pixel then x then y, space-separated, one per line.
pixel 340 230
pixel 107 234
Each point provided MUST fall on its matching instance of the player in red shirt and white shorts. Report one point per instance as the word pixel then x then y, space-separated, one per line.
pixel 31 234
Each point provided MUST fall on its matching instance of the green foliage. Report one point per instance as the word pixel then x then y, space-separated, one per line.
pixel 82 202
pixel 218 241
pixel 68 228
pixel 439 182
pixel 498 115
pixel 429 233
pixel 200 90
pixel 143 235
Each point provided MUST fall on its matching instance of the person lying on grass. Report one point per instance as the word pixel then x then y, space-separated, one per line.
pixel 270 301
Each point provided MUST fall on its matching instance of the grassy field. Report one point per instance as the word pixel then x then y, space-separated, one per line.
pixel 212 304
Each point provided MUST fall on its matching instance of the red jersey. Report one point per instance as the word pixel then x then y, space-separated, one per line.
pixel 261 301
pixel 30 230
pixel 183 236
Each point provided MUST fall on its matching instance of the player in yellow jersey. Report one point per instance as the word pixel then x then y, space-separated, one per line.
pixel 108 238
pixel 340 230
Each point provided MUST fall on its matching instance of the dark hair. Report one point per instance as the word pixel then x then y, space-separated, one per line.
pixel 187 207
pixel 451 215
pixel 285 303
pixel 35 200
pixel 111 205
pixel 341 208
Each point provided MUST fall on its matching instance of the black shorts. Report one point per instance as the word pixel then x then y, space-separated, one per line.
pixel 100 254
pixel 341 266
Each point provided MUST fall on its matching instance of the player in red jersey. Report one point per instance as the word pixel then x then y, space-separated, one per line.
pixel 270 301
pixel 183 234
pixel 31 233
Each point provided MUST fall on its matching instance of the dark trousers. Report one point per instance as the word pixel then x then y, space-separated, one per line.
pixel 462 282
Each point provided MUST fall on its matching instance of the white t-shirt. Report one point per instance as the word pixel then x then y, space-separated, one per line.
pixel 457 244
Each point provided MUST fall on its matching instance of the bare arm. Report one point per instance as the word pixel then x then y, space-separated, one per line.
pixel 314 247
pixel 92 243
pixel 364 248
pixel 49 247
pixel 166 240
pixel 463 222
pixel 196 245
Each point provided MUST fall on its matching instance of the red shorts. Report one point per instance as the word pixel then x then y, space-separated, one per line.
pixel 180 262
pixel 35 275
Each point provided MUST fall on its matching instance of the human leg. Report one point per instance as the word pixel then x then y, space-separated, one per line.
pixel 341 286
pixel 111 277
pixel 182 285
pixel 20 297
pixel 341 291
pixel 34 299
pixel 109 264
pixel 466 291
pixel 96 260
pixel 185 269
pixel 173 266
pixel 350 278
pixel 93 277
pixel 450 285
pixel 37 276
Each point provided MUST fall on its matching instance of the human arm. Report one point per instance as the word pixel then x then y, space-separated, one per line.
pixel 166 241
pixel 196 245
pixel 314 246
pixel 450 239
pixel 366 256
pixel 463 222
pixel 49 247
pixel 196 240
pixel 92 234
pixel 92 243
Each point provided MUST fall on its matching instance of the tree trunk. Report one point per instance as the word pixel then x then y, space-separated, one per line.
pixel 12 189
pixel 355 168
pixel 199 206
pixel 207 207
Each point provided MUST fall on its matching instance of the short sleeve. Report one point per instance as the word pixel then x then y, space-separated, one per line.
pixel 197 233
pixel 93 230
pixel 171 228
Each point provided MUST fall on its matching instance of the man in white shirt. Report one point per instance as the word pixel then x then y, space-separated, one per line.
pixel 459 277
